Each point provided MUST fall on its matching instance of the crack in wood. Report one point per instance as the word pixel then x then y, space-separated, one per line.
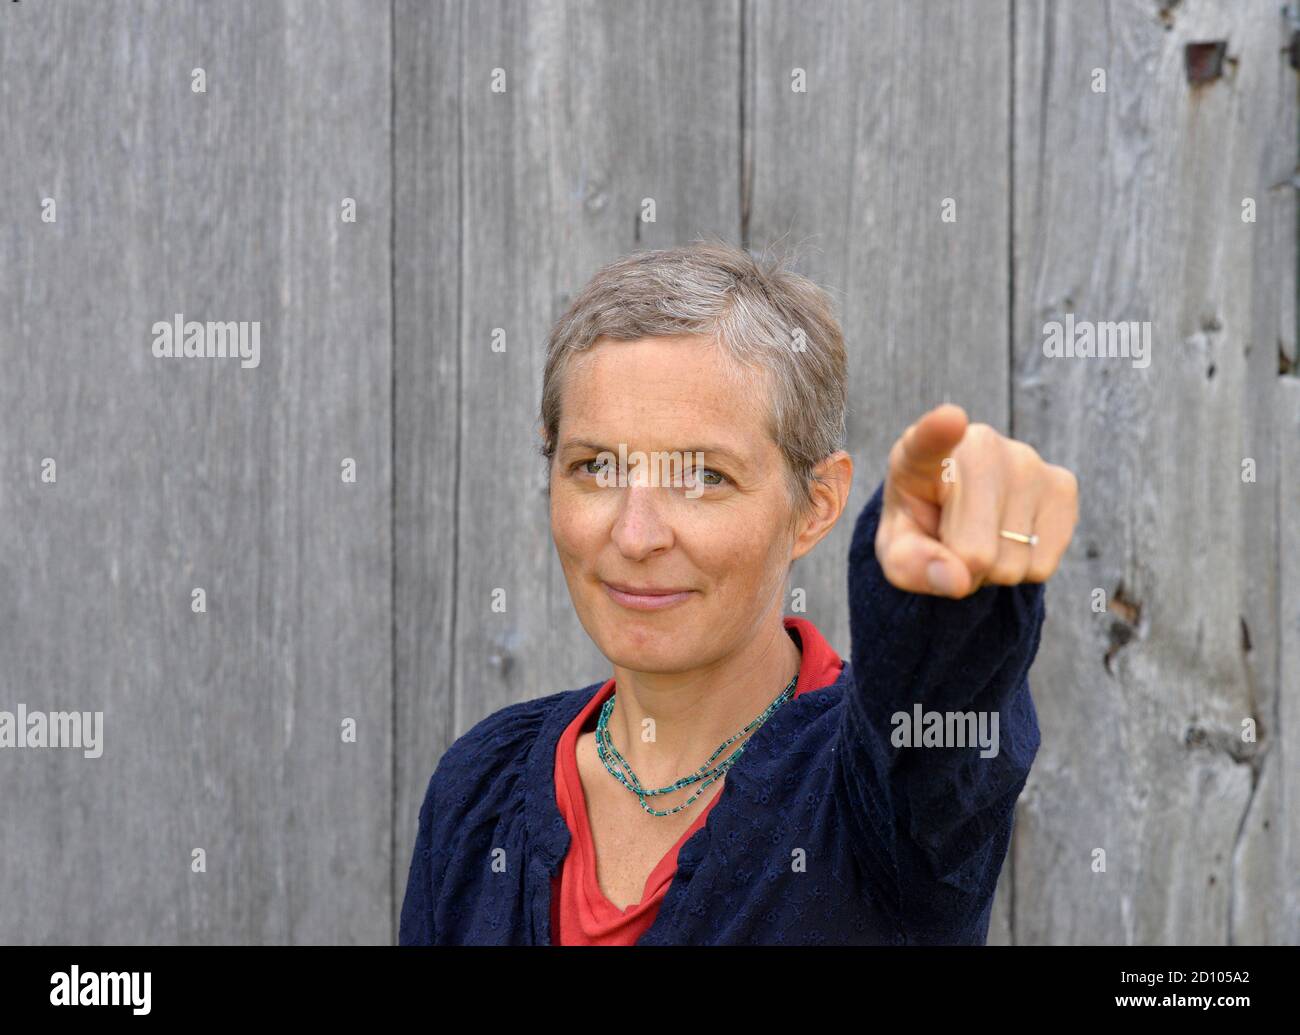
pixel 1122 631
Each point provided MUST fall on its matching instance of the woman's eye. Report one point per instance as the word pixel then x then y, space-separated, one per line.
pixel 704 471
pixel 708 476
pixel 584 464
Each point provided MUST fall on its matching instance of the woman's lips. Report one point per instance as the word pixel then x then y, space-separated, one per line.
pixel 645 601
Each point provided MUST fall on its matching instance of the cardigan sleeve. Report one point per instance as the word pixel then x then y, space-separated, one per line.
pixel 416 926
pixel 931 824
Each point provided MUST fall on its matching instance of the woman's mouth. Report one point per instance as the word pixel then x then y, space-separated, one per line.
pixel 645 598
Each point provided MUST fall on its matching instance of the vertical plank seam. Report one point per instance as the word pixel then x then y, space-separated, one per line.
pixel 453 687
pixel 746 166
pixel 1011 347
pixel 394 795
pixel 1284 422
pixel 1011 220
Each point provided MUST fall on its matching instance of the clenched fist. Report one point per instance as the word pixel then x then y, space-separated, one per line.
pixel 951 489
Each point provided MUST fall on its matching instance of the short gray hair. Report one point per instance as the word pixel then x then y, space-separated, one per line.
pixel 765 319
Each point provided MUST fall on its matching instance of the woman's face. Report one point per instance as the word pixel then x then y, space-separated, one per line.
pixel 726 544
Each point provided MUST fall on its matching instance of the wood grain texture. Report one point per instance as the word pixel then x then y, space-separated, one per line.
pixel 1128 207
pixel 1270 906
pixel 222 730
pixel 480 211
pixel 426 401
pixel 906 105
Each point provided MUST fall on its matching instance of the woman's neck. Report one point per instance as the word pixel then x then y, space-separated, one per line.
pixel 690 714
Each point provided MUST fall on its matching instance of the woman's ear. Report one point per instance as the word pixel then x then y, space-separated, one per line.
pixel 830 495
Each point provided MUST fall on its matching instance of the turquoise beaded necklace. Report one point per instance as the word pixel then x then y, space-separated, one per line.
pixel 707 772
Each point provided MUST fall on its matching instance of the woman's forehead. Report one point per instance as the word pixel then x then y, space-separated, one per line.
pixel 669 378
pixel 646 420
pixel 664 394
pixel 692 356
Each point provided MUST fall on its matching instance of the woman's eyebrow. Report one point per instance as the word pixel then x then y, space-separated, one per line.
pixel 716 451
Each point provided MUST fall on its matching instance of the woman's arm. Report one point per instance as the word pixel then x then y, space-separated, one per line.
pixel 939 729
pixel 933 822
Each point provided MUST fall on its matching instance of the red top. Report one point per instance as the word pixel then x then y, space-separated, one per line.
pixel 580 912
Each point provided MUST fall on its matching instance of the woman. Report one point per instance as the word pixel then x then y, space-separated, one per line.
pixel 735 781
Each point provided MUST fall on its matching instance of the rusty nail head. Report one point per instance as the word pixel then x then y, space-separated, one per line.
pixel 1204 61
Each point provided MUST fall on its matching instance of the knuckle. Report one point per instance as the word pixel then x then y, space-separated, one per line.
pixel 1039 571
pixel 979 558
pixel 981 433
pixel 1068 481
pixel 1024 458
pixel 1007 573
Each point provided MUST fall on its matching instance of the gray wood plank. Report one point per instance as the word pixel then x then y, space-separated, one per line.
pixel 1269 863
pixel 1265 896
pixel 222 730
pixel 1128 208
pixel 426 399
pixel 906 105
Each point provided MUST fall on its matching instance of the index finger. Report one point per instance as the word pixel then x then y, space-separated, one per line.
pixel 930 441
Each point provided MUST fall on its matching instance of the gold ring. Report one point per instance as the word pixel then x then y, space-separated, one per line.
pixel 1028 540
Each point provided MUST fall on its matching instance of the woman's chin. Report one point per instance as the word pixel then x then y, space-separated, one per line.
pixel 645 650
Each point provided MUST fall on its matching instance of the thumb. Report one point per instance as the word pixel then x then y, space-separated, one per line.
pixel 918 563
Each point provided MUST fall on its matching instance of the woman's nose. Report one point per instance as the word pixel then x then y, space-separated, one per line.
pixel 640 528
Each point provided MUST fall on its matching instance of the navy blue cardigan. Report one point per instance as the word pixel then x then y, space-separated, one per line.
pixel 824 833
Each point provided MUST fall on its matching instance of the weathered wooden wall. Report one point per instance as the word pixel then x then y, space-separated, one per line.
pixel 221 730
pixel 1128 206
pixel 481 213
